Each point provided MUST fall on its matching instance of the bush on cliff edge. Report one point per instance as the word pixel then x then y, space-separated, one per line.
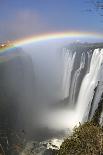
pixel 87 139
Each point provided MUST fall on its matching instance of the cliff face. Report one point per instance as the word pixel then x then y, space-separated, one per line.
pixel 97 116
pixel 17 85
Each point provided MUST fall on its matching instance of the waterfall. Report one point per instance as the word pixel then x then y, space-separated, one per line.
pixel 89 53
pixel 69 59
pixel 89 84
pixel 75 79
pixel 84 70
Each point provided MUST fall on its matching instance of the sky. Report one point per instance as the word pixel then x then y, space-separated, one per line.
pixel 23 18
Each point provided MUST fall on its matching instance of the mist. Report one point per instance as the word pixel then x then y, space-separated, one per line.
pixel 47 65
pixel 33 84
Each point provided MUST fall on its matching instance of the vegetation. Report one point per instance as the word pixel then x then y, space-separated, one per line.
pixel 87 139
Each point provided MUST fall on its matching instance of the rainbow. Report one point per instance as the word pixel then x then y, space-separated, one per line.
pixel 47 37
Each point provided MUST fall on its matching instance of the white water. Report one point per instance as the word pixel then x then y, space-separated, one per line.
pixel 75 79
pixel 68 118
pixel 69 59
pixel 89 53
pixel 89 83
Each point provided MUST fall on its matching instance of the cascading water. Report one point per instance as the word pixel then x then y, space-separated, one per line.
pixel 89 84
pixel 75 79
pixel 89 53
pixel 68 67
pixel 86 103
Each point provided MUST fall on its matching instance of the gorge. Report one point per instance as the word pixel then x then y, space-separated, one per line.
pixel 44 95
